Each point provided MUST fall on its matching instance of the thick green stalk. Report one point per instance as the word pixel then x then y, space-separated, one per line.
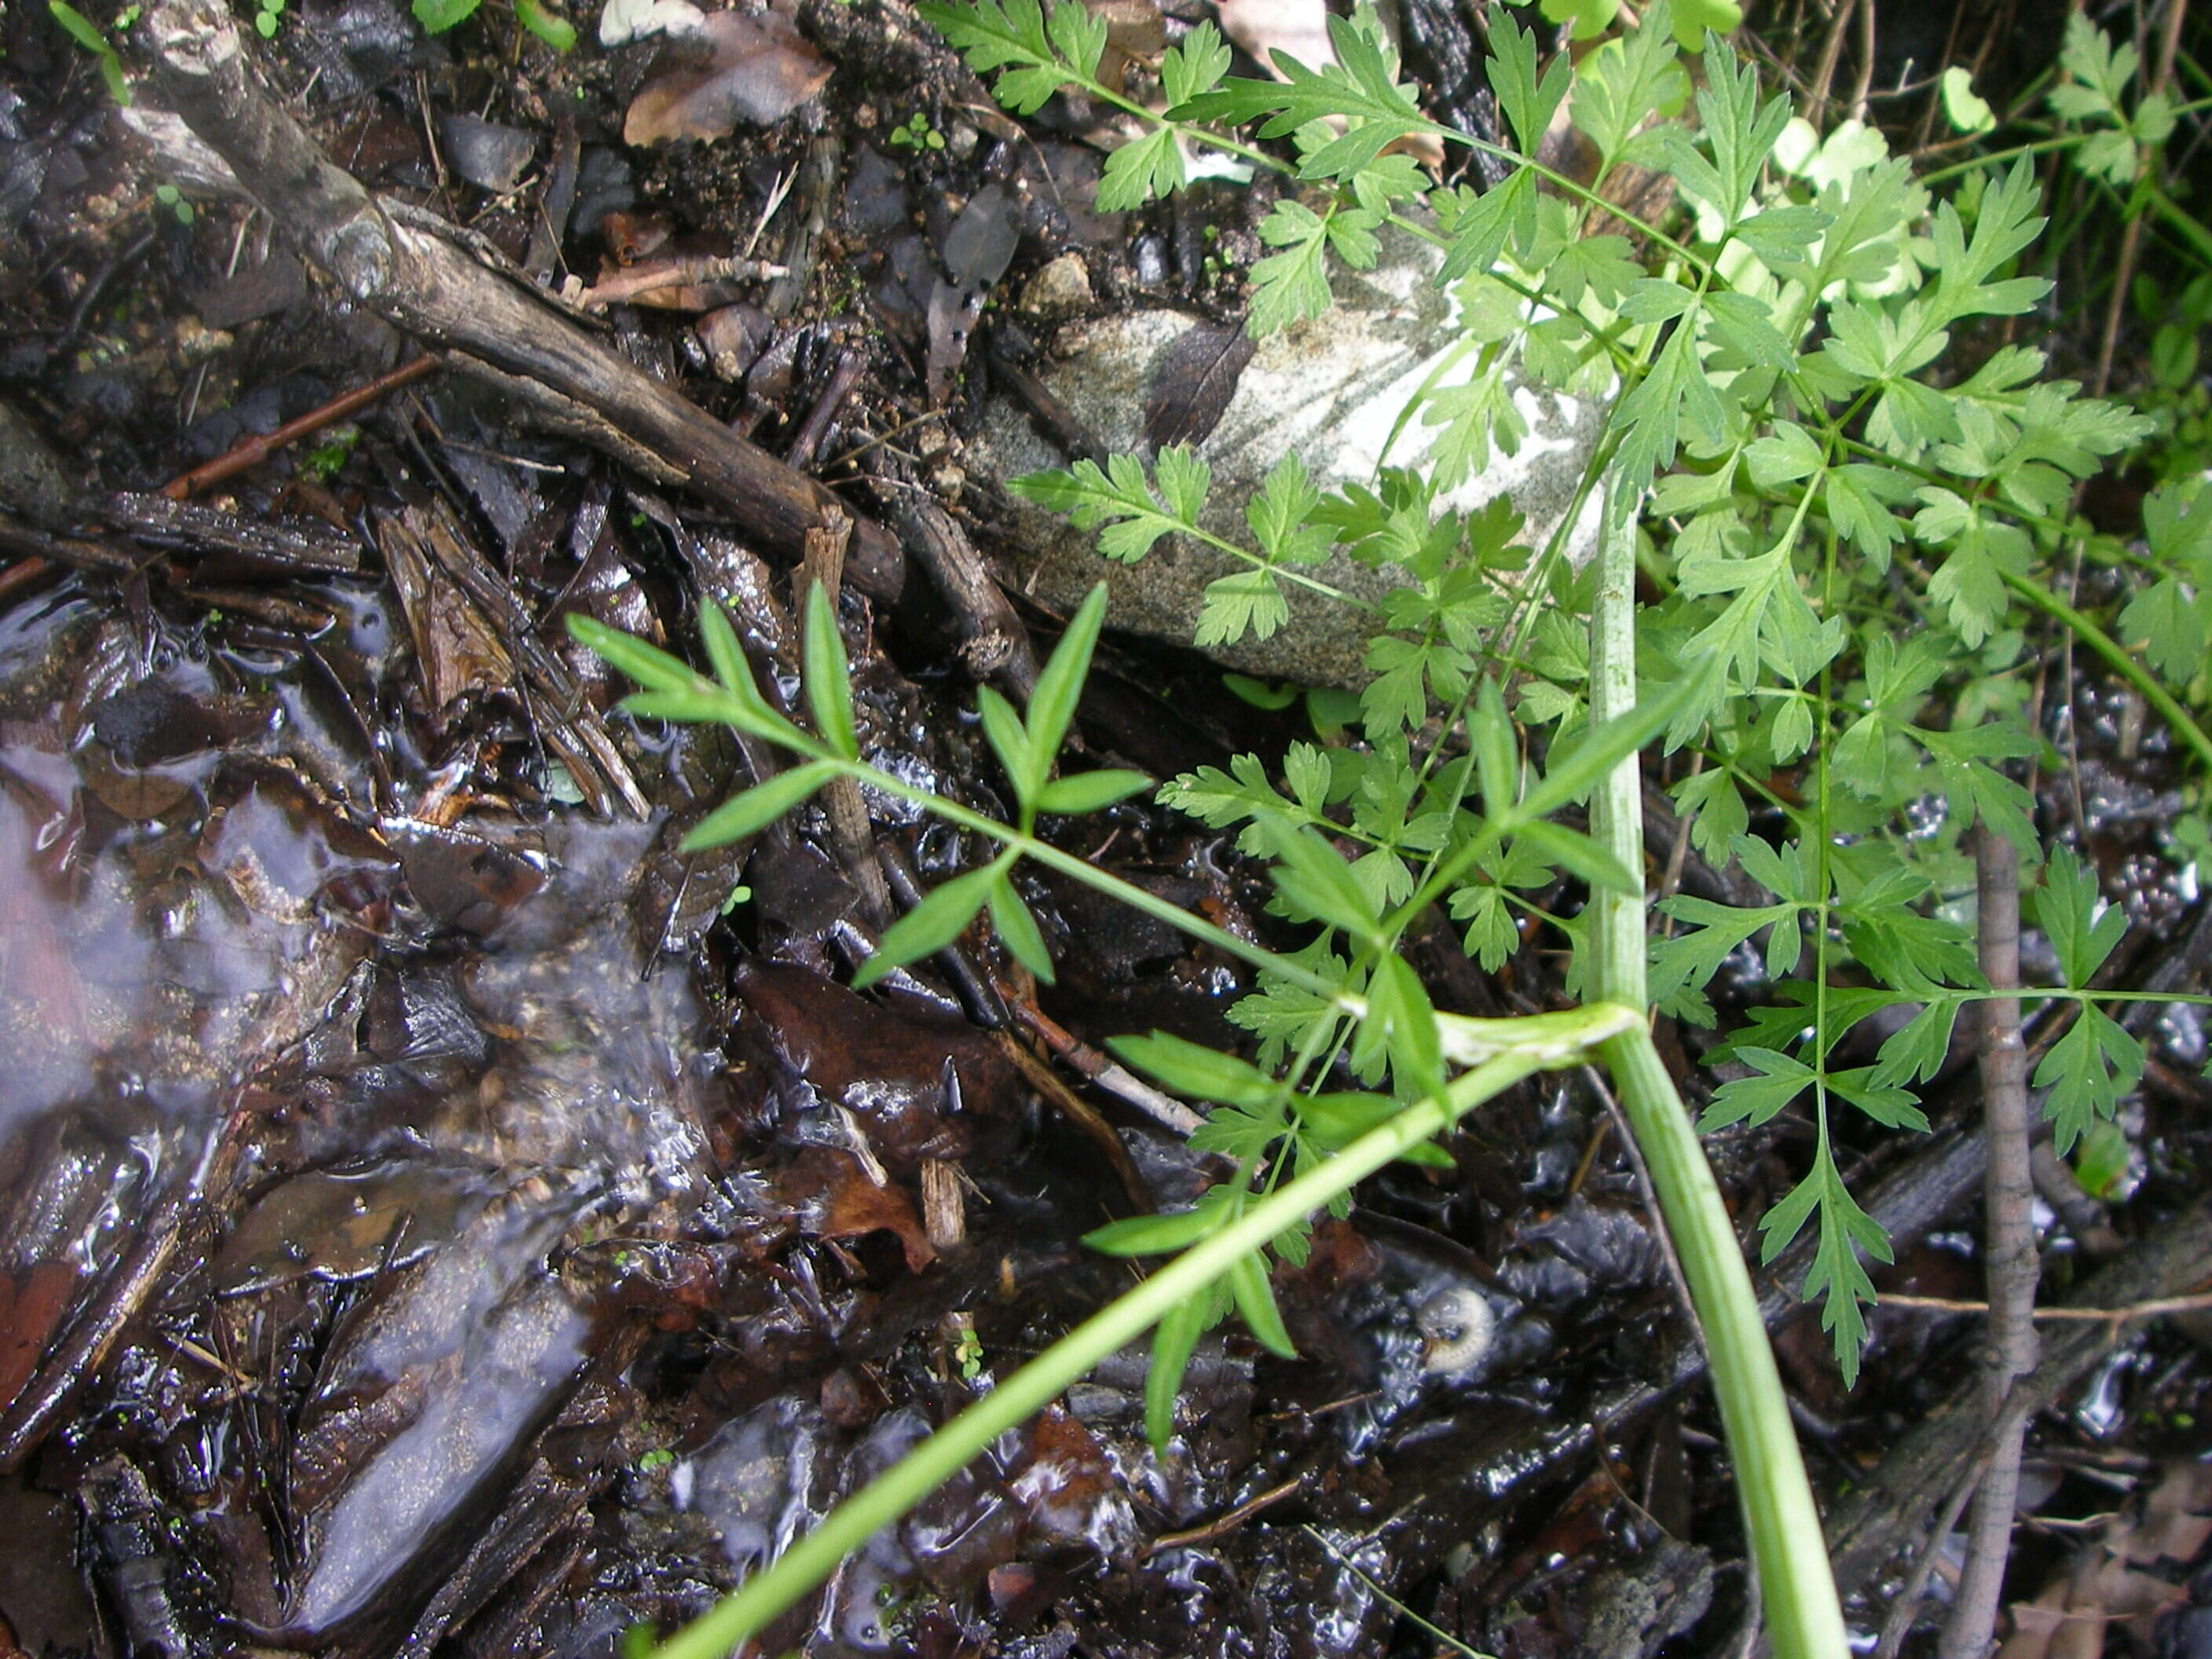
pixel 811 1560
pixel 1804 1618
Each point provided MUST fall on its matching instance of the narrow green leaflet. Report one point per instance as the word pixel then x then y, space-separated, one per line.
pixel 1528 103
pixel 1157 1235
pixel 1059 688
pixel 1361 85
pixel 2081 928
pixel 1090 792
pixel 2089 1072
pixel 1141 170
pixel 1018 929
pixel 756 808
pixel 934 923
pixel 1291 286
pixel 1173 1344
pixel 1256 1306
pixel 1755 1100
pixel 1191 1068
pixel 828 677
pixel 1836 1277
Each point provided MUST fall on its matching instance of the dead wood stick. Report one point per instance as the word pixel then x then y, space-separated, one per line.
pixel 2157 1307
pixel 80 1355
pixel 2084 1216
pixel 252 451
pixel 1085 1119
pixel 2013 1265
pixel 1164 1109
pixel 683 270
pixel 823 565
pixel 818 174
pixel 816 427
pixel 428 285
pixel 994 643
pixel 1221 1526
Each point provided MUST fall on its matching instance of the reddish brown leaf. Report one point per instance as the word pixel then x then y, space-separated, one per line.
pixel 761 71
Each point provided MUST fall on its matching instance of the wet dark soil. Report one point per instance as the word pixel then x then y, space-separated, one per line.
pixel 439 1215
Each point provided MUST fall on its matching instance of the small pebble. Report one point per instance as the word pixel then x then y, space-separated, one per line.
pixel 1061 288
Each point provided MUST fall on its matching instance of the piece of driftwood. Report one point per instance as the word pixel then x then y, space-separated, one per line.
pixel 291 547
pixel 426 548
pixel 993 644
pixel 405 267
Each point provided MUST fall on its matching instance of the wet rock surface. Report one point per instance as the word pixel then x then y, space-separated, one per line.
pixel 1329 392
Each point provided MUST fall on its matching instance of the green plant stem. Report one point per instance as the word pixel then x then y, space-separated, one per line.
pixel 2123 663
pixel 1804 1618
pixel 809 1561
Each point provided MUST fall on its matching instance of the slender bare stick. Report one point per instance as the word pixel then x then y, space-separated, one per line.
pixel 2014 1268
pixel 255 450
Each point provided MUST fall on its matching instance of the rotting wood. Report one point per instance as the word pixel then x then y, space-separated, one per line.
pixel 823 565
pixel 993 644
pixel 429 286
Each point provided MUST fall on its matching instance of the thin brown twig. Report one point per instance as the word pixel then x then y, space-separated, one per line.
pixel 1831 52
pixel 1651 1195
pixel 1222 1526
pixel 255 450
pixel 1864 87
pixel 2157 1307
pixel 1906 1605
pixel 2169 45
pixel 2013 1267
pixel 679 270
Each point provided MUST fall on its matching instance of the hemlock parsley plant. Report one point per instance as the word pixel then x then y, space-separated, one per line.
pixel 1835 514
pixel 1847 482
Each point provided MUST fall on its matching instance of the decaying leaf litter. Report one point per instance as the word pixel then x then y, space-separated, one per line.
pixel 441 1212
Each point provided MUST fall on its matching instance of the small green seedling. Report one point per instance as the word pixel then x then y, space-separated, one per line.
pixel 967 1353
pixel 170 197
pixel 266 18
pixel 437 16
pixel 917 135
pixel 555 30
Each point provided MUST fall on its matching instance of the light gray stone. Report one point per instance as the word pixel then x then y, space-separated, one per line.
pixel 1330 390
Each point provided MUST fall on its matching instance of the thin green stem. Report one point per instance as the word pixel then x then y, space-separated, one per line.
pixel 811 1561
pixel 2123 661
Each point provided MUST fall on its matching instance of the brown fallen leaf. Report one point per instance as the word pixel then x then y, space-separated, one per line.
pixel 2124 1579
pixel 760 71
pixel 1196 378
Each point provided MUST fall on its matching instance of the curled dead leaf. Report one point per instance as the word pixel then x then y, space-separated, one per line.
pixel 760 71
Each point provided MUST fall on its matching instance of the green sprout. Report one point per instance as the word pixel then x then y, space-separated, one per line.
pixel 82 30
pixel 917 135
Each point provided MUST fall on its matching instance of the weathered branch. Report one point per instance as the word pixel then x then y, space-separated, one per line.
pixel 426 284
